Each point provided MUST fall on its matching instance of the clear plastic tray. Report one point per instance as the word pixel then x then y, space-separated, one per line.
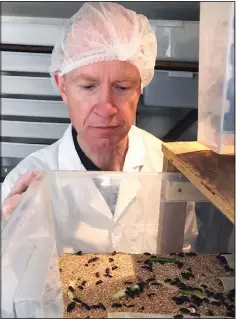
pixel 216 102
pixel 51 220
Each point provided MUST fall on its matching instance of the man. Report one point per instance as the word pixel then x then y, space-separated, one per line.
pixel 105 58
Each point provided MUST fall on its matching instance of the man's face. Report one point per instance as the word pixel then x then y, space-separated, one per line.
pixel 102 100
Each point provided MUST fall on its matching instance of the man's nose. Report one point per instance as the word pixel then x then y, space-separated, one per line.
pixel 106 105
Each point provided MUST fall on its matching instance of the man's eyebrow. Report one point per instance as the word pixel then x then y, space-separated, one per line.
pixel 127 79
pixel 85 78
pixel 91 78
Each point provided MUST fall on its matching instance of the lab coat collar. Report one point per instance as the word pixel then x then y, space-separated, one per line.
pixel 136 152
pixel 68 158
pixel 134 162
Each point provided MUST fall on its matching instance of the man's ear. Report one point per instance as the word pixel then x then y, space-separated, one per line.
pixel 60 82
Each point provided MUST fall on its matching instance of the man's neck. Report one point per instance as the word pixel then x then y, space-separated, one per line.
pixel 109 159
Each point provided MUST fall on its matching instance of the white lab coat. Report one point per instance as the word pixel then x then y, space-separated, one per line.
pixel 97 229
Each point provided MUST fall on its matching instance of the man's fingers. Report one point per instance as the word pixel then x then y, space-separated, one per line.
pixel 23 183
pixel 9 206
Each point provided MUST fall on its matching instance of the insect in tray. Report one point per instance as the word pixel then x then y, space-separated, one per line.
pixel 71 306
pixel 86 306
pixel 116 305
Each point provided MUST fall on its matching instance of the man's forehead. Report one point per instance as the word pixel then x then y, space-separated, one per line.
pixel 97 72
pixel 87 77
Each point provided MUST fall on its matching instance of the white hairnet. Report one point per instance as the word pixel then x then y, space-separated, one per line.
pixel 102 31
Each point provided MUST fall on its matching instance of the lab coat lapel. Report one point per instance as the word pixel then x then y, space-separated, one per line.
pixel 127 195
pixel 97 201
pixel 69 160
pixel 133 163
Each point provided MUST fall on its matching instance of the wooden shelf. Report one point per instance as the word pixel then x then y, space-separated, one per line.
pixel 212 174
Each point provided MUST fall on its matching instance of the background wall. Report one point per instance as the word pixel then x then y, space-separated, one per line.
pixel 171 10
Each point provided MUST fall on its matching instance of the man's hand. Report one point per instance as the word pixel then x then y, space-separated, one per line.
pixel 15 195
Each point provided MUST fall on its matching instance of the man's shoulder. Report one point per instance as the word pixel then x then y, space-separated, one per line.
pixel 45 158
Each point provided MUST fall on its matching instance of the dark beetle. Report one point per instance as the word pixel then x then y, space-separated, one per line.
pixel 87 307
pixel 231 293
pixel 206 300
pixel 185 275
pixel 141 285
pixel 71 306
pixel 184 310
pixel 93 260
pixel 108 275
pixel 203 286
pixel 181 285
pixel 184 299
pixel 179 264
pixel 191 254
pixel 128 306
pixel 227 268
pixel 219 296
pixel 114 267
pixel 167 280
pixel 98 306
pixel 116 305
pixel 95 307
pixel 102 306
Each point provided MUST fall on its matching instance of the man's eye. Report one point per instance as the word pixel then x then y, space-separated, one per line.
pixel 88 87
pixel 122 88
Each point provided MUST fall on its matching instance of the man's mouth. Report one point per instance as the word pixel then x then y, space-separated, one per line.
pixel 106 127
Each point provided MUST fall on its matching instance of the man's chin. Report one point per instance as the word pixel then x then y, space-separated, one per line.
pixel 104 144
